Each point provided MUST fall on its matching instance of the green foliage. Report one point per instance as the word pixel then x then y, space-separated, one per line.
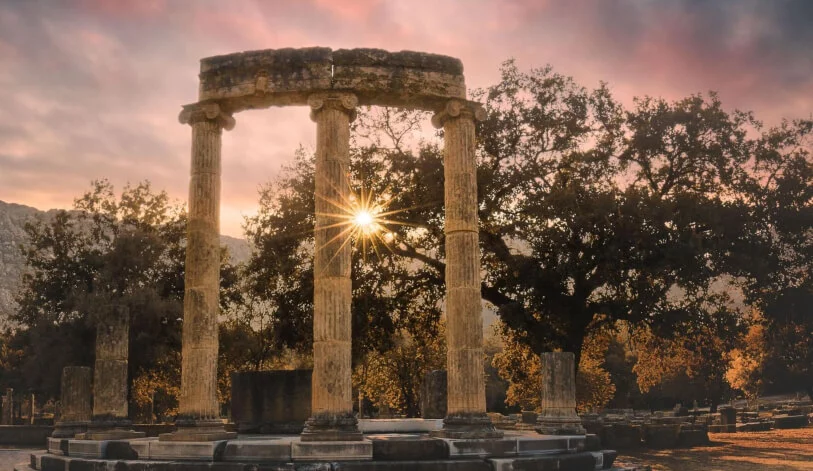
pixel 125 251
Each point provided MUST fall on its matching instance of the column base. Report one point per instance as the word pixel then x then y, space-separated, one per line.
pixel 331 428
pixel 190 430
pixel 560 424
pixel 467 426
pixel 109 428
pixel 69 429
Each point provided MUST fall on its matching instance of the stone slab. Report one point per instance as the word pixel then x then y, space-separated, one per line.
pixel 568 462
pixel 789 421
pixel 408 447
pixel 329 451
pixel 546 445
pixel 399 425
pixel 87 448
pixel 461 448
pixel 456 465
pixel 135 449
pixel 192 451
pixel 57 446
pixel 260 450
pixel 35 460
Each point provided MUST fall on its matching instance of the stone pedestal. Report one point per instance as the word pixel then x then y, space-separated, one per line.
pixel 110 418
pixel 332 416
pixel 199 410
pixel 271 402
pixel 558 416
pixel 466 404
pixel 75 402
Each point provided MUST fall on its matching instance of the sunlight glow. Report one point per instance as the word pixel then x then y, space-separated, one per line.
pixel 363 219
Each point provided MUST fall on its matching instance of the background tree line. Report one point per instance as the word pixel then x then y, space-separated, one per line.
pixel 667 244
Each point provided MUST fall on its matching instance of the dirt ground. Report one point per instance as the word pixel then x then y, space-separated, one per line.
pixel 781 450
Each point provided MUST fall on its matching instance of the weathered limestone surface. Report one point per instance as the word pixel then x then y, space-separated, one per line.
pixel 558 416
pixel 281 77
pixel 199 411
pixel 466 414
pixel 332 402
pixel 110 419
pixel 110 372
pixel 75 399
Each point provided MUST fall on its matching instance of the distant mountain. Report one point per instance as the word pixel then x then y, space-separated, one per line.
pixel 12 263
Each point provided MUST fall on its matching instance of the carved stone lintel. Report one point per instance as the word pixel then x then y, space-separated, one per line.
pixel 342 101
pixel 456 108
pixel 197 112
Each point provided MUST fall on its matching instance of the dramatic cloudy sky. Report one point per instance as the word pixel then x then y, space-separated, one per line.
pixel 92 89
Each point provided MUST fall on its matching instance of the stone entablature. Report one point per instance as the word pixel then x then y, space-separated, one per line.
pixel 284 77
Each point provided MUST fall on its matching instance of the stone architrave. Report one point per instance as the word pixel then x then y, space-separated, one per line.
pixel 110 419
pixel 466 412
pixel 199 410
pixel 8 407
pixel 332 416
pixel 558 416
pixel 75 399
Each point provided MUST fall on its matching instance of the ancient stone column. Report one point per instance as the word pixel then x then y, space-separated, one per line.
pixel 199 410
pixel 558 416
pixel 466 412
pixel 8 408
pixel 331 398
pixel 110 418
pixel 75 401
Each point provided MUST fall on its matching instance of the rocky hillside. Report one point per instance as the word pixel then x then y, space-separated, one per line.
pixel 12 234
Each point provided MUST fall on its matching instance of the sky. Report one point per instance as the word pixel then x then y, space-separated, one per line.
pixel 91 89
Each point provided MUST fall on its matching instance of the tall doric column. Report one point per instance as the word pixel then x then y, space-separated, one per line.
pixel 332 402
pixel 110 410
pixel 558 416
pixel 466 415
pixel 199 410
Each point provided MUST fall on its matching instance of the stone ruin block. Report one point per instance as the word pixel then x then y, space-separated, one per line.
pixel 789 421
pixel 271 401
pixel 621 436
pixel 693 435
pixel 661 436
pixel 433 395
pixel 728 415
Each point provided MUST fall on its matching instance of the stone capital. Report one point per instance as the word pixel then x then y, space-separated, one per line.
pixel 342 101
pixel 459 109
pixel 212 112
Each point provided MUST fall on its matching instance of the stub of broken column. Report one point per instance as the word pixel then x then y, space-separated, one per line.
pixel 75 401
pixel 466 401
pixel 558 415
pixel 8 408
pixel 331 392
pixel 110 419
pixel 199 410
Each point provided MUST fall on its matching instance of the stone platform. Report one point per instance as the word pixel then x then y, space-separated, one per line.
pixel 527 451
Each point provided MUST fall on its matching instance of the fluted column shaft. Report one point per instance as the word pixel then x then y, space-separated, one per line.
pixel 558 415
pixel 332 401
pixel 466 414
pixel 199 409
pixel 110 371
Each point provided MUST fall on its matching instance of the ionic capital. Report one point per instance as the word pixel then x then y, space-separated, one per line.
pixel 342 101
pixel 459 109
pixel 198 112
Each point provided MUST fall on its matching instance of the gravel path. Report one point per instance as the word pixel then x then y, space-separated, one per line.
pixel 777 450
pixel 11 456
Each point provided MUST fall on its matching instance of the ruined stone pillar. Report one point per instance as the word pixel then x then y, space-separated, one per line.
pixel 332 401
pixel 110 378
pixel 558 416
pixel 199 410
pixel 466 412
pixel 8 408
pixel 75 410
